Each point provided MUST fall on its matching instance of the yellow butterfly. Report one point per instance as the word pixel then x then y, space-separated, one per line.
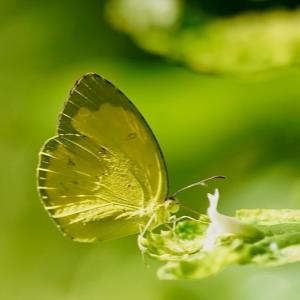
pixel 103 175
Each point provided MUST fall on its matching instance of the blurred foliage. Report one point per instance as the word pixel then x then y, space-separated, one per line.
pixel 186 32
pixel 244 127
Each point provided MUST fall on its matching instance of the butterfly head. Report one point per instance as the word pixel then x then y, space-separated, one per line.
pixel 172 205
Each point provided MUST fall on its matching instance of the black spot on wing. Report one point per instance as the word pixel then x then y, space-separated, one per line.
pixel 103 150
pixel 131 136
pixel 71 162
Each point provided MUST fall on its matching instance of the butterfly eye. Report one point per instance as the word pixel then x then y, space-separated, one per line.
pixel 173 206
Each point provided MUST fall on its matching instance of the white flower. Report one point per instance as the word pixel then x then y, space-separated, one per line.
pixel 221 224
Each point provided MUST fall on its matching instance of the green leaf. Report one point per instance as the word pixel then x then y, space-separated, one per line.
pixel 268 216
pixel 185 257
pixel 200 265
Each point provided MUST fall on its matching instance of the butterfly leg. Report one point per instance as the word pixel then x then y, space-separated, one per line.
pixel 141 237
pixel 143 230
pixel 173 220
pixel 186 218
pixel 148 224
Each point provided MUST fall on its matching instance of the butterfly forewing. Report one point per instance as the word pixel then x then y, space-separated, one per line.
pixel 103 168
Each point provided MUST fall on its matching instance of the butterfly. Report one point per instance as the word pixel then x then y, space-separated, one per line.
pixel 103 175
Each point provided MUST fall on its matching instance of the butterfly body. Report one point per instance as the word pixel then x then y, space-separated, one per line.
pixel 103 175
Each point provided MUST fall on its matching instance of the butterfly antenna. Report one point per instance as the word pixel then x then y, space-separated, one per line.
pixel 191 210
pixel 198 183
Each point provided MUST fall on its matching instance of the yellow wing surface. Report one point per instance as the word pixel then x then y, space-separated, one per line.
pixel 103 173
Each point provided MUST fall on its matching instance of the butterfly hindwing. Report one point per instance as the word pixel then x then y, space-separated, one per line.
pixel 104 166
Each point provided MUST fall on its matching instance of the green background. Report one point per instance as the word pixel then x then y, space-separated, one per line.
pixel 244 126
